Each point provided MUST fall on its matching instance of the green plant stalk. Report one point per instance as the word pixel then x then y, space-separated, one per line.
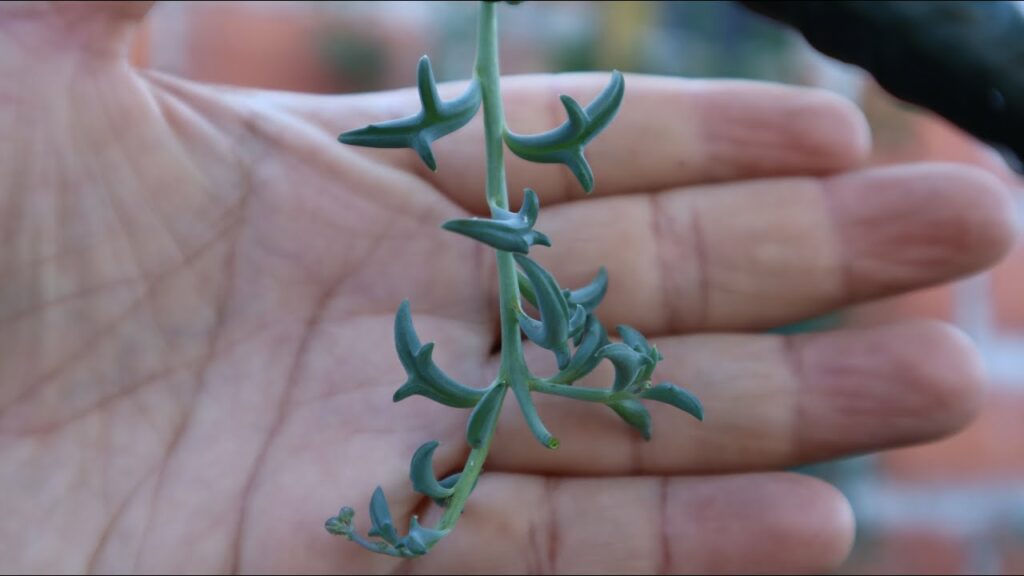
pixel 470 472
pixel 512 371
pixel 561 314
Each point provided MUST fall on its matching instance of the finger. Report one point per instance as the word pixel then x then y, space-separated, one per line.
pixel 101 29
pixel 668 132
pixel 760 254
pixel 769 401
pixel 764 523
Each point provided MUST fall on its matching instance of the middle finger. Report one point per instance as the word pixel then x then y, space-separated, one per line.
pixel 770 401
pixel 763 253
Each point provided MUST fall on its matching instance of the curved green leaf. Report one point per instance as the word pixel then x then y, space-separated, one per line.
pixel 533 421
pixel 551 332
pixel 421 473
pixel 420 539
pixel 634 413
pixel 590 296
pixel 507 231
pixel 577 321
pixel 424 377
pixel 435 119
pixel 448 483
pixel 380 517
pixel 586 356
pixel 564 145
pixel 635 340
pixel 483 417
pixel 632 337
pixel 629 364
pixel 525 289
pixel 675 396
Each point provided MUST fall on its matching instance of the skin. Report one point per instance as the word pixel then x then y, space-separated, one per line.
pixel 198 288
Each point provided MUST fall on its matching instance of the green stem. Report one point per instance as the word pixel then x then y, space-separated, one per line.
pixel 486 72
pixel 513 367
pixel 474 466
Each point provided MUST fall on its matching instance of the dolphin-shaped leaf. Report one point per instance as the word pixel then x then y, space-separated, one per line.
pixel 435 119
pixel 380 517
pixel 552 331
pixel 525 289
pixel 585 358
pixel 577 321
pixel 483 417
pixel 508 231
pixel 675 396
pixel 590 296
pixel 425 378
pixel 635 340
pixel 448 483
pixel 629 364
pixel 564 145
pixel 420 539
pixel 421 473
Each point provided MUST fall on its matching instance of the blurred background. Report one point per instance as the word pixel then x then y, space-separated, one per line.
pixel 954 506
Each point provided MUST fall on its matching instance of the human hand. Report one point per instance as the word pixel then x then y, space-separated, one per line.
pixel 197 289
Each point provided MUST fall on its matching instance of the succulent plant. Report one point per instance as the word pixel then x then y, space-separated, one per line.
pixel 567 324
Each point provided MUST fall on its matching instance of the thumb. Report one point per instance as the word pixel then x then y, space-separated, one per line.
pixel 95 29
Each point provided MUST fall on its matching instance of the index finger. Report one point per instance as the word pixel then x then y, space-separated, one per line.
pixel 674 132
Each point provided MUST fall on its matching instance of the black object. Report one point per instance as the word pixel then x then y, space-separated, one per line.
pixel 962 60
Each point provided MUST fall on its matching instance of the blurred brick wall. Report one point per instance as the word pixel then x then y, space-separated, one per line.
pixel 954 506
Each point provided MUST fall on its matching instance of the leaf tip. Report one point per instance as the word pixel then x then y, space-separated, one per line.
pixel 403 392
pixel 428 158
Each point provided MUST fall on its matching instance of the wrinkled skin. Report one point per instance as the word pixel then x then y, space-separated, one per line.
pixel 197 288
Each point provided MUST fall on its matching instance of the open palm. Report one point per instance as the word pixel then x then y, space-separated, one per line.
pixel 197 289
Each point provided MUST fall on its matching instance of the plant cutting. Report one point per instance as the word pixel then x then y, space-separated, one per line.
pixel 531 302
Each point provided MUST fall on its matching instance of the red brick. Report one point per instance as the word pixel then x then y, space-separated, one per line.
pixel 991 448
